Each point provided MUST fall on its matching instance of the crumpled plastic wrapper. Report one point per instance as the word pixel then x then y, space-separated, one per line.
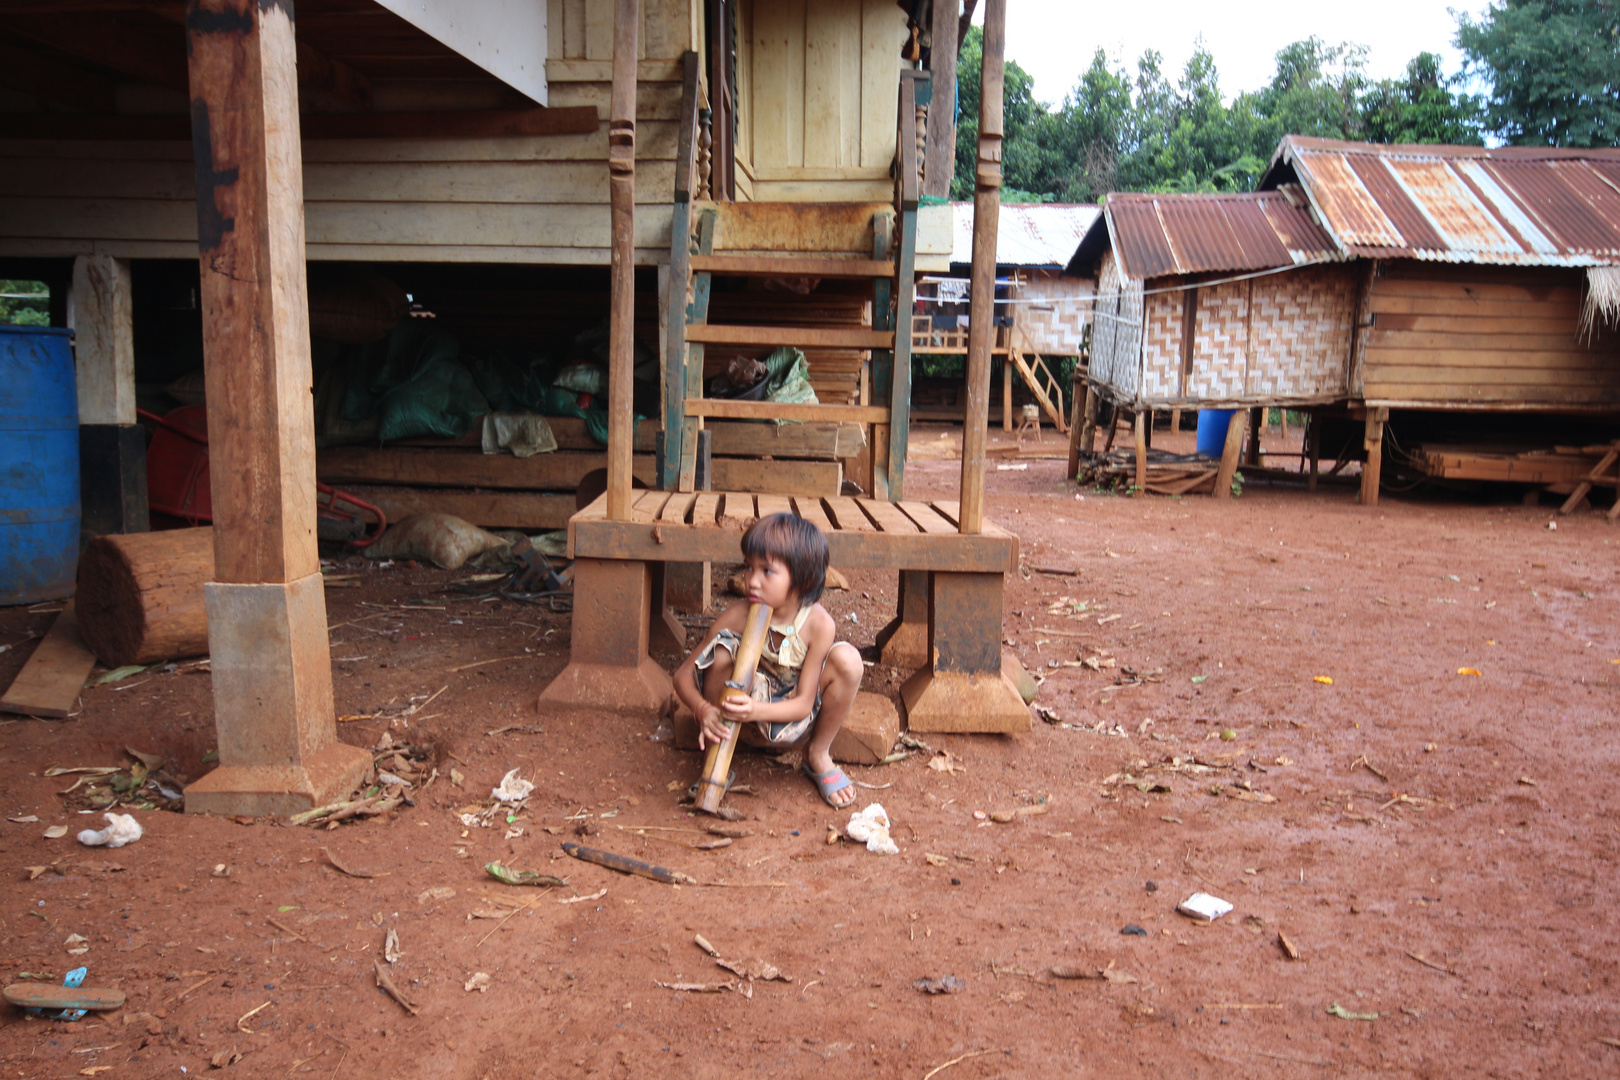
pixel 871 827
pixel 513 789
pixel 121 829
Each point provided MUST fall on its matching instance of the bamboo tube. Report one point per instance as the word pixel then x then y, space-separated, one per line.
pixel 717 764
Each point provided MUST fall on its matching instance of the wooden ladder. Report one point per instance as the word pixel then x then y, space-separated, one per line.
pixel 697 257
pixel 1038 377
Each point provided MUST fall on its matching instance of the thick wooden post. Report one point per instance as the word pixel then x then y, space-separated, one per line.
pixel 622 198
pixel 964 687
pixel 1374 443
pixel 112 447
pixel 1251 454
pixel 1140 429
pixel 608 666
pixel 1314 435
pixel 272 670
pixel 982 275
pixel 1230 453
pixel 940 164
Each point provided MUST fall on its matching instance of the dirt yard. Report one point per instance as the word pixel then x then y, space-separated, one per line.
pixel 1387 737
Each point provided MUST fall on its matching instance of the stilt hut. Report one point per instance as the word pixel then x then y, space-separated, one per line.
pixel 538 166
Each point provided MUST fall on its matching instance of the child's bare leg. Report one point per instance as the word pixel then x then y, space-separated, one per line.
pixel 840 680
pixel 716 674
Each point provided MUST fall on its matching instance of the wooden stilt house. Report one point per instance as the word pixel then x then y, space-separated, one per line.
pixel 539 166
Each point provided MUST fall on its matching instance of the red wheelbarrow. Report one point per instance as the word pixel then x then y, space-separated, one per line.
pixel 177 477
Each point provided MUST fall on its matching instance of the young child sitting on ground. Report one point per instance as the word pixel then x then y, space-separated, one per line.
pixel 806 681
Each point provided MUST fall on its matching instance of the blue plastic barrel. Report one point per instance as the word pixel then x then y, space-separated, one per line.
pixel 1212 425
pixel 39 465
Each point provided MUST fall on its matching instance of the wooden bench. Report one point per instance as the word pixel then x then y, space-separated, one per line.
pixel 948 627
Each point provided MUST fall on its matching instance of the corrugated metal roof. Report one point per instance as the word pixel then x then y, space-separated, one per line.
pixel 1034 235
pixel 1159 235
pixel 1530 206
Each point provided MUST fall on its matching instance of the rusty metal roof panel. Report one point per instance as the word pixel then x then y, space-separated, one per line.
pixel 1160 235
pixel 1512 205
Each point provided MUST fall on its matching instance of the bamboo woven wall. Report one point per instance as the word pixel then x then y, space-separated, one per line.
pixel 1054 329
pixel 1116 340
pixel 1279 338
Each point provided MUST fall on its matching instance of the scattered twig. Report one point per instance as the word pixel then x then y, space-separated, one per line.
pixel 506 920
pixel 481 663
pixel 743 884
pixel 1426 962
pixel 388 987
pixel 1290 1057
pixel 1362 760
pixel 244 1017
pixel 626 865
pixel 1245 1005
pixel 199 984
pixel 971 1054
pixel 287 930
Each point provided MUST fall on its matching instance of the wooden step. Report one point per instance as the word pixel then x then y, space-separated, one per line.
pixel 732 409
pixel 792 266
pixel 802 337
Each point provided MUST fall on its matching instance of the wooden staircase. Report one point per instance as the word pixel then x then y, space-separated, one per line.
pixel 873 242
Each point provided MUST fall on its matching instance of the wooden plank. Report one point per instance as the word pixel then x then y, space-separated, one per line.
pixel 37 996
pixel 829 227
pixel 737 511
pixel 888 517
pixel 798 477
pixel 1501 343
pixel 1478 291
pixel 812 511
pixel 777 80
pixel 882 25
pixel 801 337
pixel 927 518
pixel 678 507
pixel 794 266
pixel 646 506
pixel 1527 323
pixel 847 516
pixel 706 508
pixel 49 683
pixel 1578 369
pixel 654 70
pixel 951 511
pixel 830 33
pixel 602 539
pixel 531 511
pixel 776 410
pixel 773 504
pixel 1495 309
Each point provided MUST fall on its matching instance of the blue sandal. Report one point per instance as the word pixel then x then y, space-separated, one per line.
pixel 828 784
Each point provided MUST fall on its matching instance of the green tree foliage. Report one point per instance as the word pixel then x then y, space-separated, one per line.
pixel 1424 107
pixel 24 303
pixel 1119 130
pixel 1554 70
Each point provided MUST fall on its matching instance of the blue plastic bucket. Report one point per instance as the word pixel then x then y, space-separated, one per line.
pixel 39 465
pixel 1212 425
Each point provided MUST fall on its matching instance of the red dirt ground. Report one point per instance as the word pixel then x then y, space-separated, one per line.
pixel 1500 873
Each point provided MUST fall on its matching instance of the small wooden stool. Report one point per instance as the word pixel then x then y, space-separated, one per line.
pixel 1029 418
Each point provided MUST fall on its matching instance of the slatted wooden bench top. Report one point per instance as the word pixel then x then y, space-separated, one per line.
pixel 862 533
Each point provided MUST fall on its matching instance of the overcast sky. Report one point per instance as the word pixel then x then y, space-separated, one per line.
pixel 1054 40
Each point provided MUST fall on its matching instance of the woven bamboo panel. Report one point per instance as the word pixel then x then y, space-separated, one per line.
pixel 1116 354
pixel 1300 333
pixel 1161 347
pixel 1220 342
pixel 1053 329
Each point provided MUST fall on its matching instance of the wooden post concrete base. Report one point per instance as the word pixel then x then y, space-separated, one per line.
pixel 665 632
pixel 608 666
pixel 964 687
pixel 903 643
pixel 278 748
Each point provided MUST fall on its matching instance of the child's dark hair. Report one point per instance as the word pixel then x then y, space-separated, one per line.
pixel 799 544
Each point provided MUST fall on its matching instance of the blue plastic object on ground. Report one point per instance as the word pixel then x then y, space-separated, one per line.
pixel 39 465
pixel 1212 425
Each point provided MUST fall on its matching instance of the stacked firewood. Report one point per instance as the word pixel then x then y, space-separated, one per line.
pixel 1167 473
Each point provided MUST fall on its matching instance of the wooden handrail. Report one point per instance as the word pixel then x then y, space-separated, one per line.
pixel 906 145
pixel 685 155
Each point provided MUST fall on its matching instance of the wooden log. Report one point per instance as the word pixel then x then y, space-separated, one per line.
pixel 140 596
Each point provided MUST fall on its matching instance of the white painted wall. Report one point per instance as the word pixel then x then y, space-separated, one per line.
pixel 507 38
